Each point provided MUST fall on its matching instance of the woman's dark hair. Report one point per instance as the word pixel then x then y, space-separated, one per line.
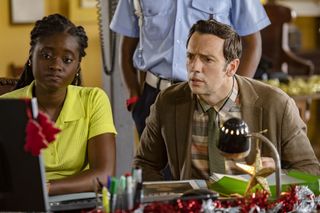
pixel 232 47
pixel 47 26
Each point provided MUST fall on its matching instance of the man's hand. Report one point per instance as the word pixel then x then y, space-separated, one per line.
pixel 268 162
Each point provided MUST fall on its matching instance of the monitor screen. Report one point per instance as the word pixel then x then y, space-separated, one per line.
pixel 22 180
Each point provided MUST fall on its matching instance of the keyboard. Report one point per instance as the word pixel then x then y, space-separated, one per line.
pixel 76 201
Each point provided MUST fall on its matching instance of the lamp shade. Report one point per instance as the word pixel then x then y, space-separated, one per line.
pixel 233 141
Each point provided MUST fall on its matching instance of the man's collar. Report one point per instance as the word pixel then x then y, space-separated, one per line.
pixel 224 105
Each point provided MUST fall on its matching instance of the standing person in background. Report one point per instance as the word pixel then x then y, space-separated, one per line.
pixel 157 50
pixel 85 148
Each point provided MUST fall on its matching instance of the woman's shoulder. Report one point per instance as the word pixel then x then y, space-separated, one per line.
pixel 19 93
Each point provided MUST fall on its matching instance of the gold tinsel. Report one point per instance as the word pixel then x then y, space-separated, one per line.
pixel 298 86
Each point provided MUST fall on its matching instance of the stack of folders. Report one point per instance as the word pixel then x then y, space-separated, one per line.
pixel 170 190
pixel 236 184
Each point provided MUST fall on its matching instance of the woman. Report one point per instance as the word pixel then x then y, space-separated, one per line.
pixel 85 148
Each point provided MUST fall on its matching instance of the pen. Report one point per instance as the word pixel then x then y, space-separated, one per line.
pixel 129 192
pixel 121 200
pixel 114 188
pixel 108 183
pixel 105 199
pixel 137 175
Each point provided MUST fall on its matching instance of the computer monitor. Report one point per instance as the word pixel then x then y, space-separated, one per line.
pixel 22 181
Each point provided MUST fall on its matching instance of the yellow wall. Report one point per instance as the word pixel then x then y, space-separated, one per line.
pixel 15 38
pixel 309 32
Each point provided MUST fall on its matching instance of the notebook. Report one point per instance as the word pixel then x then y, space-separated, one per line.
pixel 169 190
pixel 22 176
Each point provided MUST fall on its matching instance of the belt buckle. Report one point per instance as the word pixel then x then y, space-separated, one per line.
pixel 157 82
pixel 163 83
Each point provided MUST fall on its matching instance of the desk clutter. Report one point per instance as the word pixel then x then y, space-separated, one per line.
pixel 122 194
pixel 126 194
pixel 297 199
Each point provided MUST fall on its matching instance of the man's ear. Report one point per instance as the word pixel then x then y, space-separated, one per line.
pixel 232 67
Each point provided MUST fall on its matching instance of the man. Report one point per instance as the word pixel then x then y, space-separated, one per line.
pixel 176 131
pixel 158 48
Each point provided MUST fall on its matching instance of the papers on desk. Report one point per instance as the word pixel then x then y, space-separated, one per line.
pixel 168 190
pixel 217 176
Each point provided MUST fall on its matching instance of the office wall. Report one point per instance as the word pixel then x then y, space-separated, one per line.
pixel 14 42
pixel 308 26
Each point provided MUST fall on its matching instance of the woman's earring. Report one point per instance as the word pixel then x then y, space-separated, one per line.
pixel 29 63
pixel 77 79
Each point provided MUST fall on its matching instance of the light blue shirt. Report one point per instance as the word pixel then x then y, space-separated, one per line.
pixel 166 24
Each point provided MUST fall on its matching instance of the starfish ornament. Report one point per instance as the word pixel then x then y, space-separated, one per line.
pixel 257 172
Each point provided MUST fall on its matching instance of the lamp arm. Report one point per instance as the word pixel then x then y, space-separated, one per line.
pixel 276 156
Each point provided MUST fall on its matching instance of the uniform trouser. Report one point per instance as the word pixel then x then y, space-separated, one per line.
pixel 142 110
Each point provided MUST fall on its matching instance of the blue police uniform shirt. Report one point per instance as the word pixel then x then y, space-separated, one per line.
pixel 166 25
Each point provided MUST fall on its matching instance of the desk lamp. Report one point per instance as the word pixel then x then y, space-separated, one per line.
pixel 235 143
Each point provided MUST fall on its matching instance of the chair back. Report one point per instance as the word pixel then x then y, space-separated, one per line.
pixel 275 42
pixel 7 85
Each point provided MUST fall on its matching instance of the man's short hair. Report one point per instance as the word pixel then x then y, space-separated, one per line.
pixel 232 47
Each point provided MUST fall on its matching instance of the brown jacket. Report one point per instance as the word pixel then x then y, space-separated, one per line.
pixel 167 136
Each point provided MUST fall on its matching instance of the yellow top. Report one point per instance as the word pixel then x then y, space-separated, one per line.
pixel 86 113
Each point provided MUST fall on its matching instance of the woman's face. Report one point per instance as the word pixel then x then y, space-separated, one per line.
pixel 55 61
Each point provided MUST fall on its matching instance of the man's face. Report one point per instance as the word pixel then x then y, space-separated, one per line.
pixel 208 72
